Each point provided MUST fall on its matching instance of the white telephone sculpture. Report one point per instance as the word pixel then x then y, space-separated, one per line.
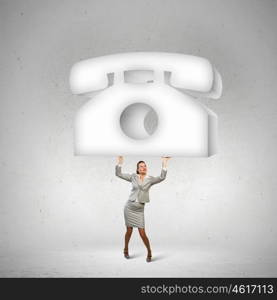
pixel 144 103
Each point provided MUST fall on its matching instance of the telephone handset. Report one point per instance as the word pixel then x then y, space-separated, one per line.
pixel 144 99
pixel 186 71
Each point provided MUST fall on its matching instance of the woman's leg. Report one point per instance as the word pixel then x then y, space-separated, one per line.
pixel 145 240
pixel 128 234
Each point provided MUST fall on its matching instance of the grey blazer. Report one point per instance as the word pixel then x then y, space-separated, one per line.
pixel 140 189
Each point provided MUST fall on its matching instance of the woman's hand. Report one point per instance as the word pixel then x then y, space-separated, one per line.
pixel 120 160
pixel 165 160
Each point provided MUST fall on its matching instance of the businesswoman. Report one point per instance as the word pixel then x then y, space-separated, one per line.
pixel 134 207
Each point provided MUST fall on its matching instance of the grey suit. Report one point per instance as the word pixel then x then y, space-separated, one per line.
pixel 140 189
pixel 134 207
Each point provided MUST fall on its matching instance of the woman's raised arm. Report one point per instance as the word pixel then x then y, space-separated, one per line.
pixel 162 177
pixel 164 161
pixel 118 172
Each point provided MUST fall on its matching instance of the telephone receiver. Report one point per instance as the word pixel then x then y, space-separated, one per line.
pixel 145 103
pixel 191 73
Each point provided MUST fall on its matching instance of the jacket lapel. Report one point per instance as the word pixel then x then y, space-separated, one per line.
pixel 145 180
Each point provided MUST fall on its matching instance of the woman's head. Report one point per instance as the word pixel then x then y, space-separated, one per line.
pixel 141 167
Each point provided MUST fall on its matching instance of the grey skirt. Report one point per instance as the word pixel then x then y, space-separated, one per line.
pixel 134 214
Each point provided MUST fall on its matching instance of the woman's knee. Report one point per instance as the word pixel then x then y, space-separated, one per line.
pixel 129 230
pixel 142 232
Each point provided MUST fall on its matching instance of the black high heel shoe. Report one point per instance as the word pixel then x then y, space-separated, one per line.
pixel 126 254
pixel 149 258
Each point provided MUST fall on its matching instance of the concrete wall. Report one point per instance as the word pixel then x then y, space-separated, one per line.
pixel 53 200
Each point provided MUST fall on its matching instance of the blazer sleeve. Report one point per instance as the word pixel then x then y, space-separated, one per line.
pixel 124 176
pixel 160 178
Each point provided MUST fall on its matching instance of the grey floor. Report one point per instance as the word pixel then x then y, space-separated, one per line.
pixel 189 261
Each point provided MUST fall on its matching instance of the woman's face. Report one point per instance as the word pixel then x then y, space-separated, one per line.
pixel 142 168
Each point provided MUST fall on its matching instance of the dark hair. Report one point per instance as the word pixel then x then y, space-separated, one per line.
pixel 141 161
